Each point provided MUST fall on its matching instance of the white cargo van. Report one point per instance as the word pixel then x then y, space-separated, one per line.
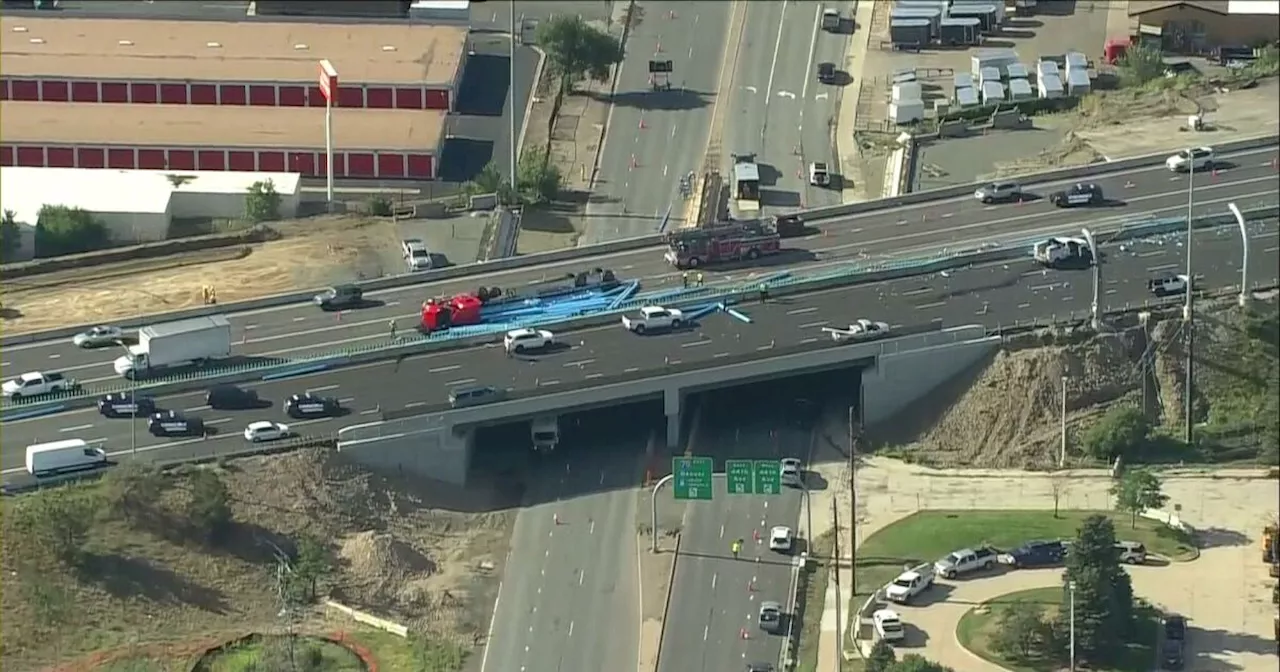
pixel 49 459
pixel 545 432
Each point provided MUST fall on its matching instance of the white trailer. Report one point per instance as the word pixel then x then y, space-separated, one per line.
pixel 545 433
pixel 194 341
pixel 60 457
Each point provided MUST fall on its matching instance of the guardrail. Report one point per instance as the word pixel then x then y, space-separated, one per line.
pixel 628 245
pixel 464 337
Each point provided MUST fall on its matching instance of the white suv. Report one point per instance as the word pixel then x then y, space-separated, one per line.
pixel 415 254
pixel 519 340
pixel 1200 158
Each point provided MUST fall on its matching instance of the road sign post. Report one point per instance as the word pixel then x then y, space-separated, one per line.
pixel 767 477
pixel 328 89
pixel 692 477
pixel 738 477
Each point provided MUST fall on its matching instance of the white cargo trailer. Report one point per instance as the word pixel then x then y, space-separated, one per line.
pixel 60 457
pixel 195 341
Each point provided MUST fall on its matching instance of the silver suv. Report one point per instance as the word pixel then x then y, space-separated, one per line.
pixel 999 192
pixel 1132 552
pixel 416 255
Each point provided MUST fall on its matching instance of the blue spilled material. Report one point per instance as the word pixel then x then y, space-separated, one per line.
pixel 737 314
pixel 624 295
pixel 297 371
pixel 701 311
pixel 26 413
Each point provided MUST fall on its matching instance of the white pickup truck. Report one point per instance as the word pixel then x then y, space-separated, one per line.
pixel 653 318
pixel 37 383
pixel 966 560
pixel 862 330
pixel 909 584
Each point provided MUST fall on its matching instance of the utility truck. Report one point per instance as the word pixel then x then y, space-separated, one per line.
pixel 192 342
pixel 653 318
pixel 910 584
pixel 37 383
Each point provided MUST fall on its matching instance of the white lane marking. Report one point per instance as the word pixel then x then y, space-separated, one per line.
pixel 76 428
pixel 580 362
pixel 54 356
pixel 193 409
pixel 718 355
pixel 1162 267
pixel 808 66
pixel 247 327
pixel 820 96
pixel 4 363
pixel 714 577
pixel 589 376
pixel 926 290
pixel 461 381
pixel 415 404
pixel 802 311
pixel 694 344
pixel 322 388
pixel 571 622
pixel 631 370
pixel 493 619
pixel 787 94
pixel 811 325
pixel 926 306
pixel 346 400
pixel 299 319
pixel 219 421
pixel 442 369
pixel 582 575
pixel 370 411
pixel 548 383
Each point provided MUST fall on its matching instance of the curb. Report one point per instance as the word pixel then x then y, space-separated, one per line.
pixel 671 582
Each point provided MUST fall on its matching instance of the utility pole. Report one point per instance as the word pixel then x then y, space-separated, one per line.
pixel 1062 451
pixel 1188 322
pixel 511 91
pixel 853 505
pixel 835 520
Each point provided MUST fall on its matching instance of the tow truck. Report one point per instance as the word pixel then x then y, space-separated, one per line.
pixel 724 242
pixel 441 313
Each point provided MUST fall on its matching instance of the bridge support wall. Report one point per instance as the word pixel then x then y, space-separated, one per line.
pixel 671 401
pixel 899 379
pixel 440 453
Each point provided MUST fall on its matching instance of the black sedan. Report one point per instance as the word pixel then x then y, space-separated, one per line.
pixel 308 405
pixel 125 405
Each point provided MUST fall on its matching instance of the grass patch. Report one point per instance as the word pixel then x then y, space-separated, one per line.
pixel 975 631
pixel 277 652
pixel 398 654
pixel 925 536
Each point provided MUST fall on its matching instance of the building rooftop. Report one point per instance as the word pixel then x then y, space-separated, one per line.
pixel 1224 7
pixel 221 51
pixel 218 126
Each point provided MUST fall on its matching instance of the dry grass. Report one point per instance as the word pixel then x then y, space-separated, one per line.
pixel 430 569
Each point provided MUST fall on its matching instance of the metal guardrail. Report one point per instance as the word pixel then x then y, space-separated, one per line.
pixel 462 337
pixel 632 244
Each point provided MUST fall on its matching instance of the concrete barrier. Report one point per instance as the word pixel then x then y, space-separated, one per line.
pixel 368 619
pixel 25 413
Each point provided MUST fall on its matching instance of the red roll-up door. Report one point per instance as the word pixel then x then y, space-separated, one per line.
pixel 211 159
pixel 351 96
pixel 437 99
pixel 420 166
pixel 141 92
pixel 361 164
pixel 303 162
pixel 6 156
pixel 60 157
pixel 181 159
pixel 293 96
pixel 262 94
pixel 31 157
pixel 390 164
pixel 244 162
pixel 314 97
pixel 4 89
pixel 54 91
pixel 271 162
pixel 90 157
pixel 232 94
pixel 173 94
pixel 380 97
pixel 84 92
pixel 24 89
pixel 408 99
pixel 204 94
pixel 151 159
pixel 115 92
pixel 119 157
pixel 339 163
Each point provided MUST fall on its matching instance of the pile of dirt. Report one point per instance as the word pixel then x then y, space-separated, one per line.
pixel 381 558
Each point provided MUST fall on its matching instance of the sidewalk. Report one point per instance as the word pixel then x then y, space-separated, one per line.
pixel 847 117
pixel 837 475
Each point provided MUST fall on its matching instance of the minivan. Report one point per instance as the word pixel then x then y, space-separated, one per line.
pixel 464 397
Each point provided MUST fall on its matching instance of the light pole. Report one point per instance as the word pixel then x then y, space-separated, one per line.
pixel 511 88
pixel 1071 615
pixel 653 532
pixel 1097 277
pixel 1062 451
pixel 1187 309
pixel 1244 257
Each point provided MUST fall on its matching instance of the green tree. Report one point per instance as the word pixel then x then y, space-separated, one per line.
pixel 1103 594
pixel 56 522
pixel 1019 630
pixel 61 230
pixel 1136 491
pixel 491 181
pixel 1119 433
pixel 882 657
pixel 1140 65
pixel 312 564
pixel 537 180
pixel 577 51
pixel 916 663
pixel 380 205
pixel 262 203
pixel 209 505
pixel 10 235
pixel 131 490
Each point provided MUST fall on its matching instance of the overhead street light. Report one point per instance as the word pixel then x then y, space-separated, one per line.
pixel 1097 278
pixel 1244 255
pixel 1189 325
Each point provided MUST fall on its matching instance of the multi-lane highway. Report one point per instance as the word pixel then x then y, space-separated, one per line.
pixel 780 110
pixel 654 137
pixel 295 330
pixel 715 598
pixel 999 294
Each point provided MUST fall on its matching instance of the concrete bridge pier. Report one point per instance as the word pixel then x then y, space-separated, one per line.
pixel 671 399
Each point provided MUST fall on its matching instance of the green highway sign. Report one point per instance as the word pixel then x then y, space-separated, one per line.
pixel 738 476
pixel 768 477
pixel 692 476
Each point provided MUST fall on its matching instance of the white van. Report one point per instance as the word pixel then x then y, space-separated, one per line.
pixel 49 459
pixel 545 432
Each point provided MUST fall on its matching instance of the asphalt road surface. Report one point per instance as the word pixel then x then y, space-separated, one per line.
pixel 487 99
pixel 998 294
pixel 296 330
pixel 569 597
pixel 715 598
pixel 664 131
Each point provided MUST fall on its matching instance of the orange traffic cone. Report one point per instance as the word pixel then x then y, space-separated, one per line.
pixel 742 632
pixel 642 123
pixel 751 586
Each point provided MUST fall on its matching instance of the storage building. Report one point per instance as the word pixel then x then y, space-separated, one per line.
pixel 1197 26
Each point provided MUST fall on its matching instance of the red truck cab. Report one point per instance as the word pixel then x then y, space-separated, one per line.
pixel 459 310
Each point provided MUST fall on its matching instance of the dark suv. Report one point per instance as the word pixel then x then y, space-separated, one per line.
pixel 339 297
pixel 230 397
pixel 827 73
pixel 1038 554
pixel 1173 651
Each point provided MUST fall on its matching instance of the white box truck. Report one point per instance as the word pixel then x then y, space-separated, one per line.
pixel 195 341
pixel 60 457
pixel 545 432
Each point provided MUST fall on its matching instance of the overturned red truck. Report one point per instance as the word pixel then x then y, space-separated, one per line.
pixel 440 313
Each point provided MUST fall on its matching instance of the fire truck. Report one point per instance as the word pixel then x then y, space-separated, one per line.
pixel 463 309
pixel 725 242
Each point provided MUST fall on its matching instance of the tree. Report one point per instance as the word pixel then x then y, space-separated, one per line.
pixel 577 51
pixel 915 663
pixel 380 205
pixel 10 235
pixel 262 203
pixel 1059 485
pixel 537 179
pixel 1120 431
pixel 61 230
pixel 1101 592
pixel 491 181
pixel 1140 65
pixel 1138 490
pixel 1019 630
pixel 882 657
pixel 312 564
pixel 56 522
pixel 131 490
pixel 209 506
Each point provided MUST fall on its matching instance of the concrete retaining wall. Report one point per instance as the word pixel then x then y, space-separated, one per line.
pixel 441 453
pixel 164 248
pixel 897 380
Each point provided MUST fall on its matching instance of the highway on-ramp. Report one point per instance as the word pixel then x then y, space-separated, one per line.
pixel 299 329
pixel 655 137
pixel 1001 294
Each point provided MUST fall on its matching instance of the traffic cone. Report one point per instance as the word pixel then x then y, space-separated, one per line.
pixel 633 160
pixel 1275 162
pixel 556 518
pixel 1128 184
pixel 755 535
pixel 642 123
pixel 339 315
pixel 751 586
pixel 1213 174
pixel 657 48
pixel 742 632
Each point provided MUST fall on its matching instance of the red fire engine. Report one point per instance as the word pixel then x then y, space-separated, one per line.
pixel 723 242
pixel 464 309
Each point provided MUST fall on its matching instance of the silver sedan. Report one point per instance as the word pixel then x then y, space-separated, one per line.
pixel 97 337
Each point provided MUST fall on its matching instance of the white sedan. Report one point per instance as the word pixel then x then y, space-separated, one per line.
pixel 519 340
pixel 781 539
pixel 862 330
pixel 97 337
pixel 1199 158
pixel 265 430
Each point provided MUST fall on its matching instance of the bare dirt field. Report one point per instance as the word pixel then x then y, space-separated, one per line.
pixel 313 253
pixel 397 557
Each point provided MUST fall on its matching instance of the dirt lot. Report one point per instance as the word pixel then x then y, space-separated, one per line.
pixel 430 569
pixel 313 253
